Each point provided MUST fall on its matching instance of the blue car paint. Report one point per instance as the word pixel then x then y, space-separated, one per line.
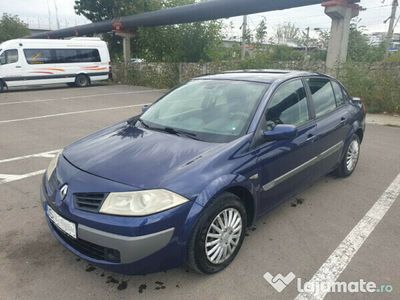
pixel 127 158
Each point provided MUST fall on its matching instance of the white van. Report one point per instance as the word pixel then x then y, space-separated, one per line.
pixel 78 61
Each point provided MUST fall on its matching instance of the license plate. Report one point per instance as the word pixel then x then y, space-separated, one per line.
pixel 62 224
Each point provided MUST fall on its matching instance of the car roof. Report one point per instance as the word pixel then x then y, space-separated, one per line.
pixel 264 76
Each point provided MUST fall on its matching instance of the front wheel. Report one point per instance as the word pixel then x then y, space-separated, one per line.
pixel 350 158
pixel 2 85
pixel 218 235
pixel 82 80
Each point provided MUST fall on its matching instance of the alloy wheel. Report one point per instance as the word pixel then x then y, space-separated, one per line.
pixel 223 236
pixel 352 155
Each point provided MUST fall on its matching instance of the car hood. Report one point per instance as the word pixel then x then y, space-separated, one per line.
pixel 138 157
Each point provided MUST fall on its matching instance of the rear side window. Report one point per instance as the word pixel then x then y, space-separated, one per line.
pixel 338 93
pixel 289 104
pixel 61 56
pixel 88 55
pixel 9 57
pixel 77 55
pixel 322 96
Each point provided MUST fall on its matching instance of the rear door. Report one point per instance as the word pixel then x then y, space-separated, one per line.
pixel 332 120
pixel 284 165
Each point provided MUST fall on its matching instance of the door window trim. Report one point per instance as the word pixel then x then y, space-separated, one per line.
pixel 343 93
pixel 254 145
pixel 312 101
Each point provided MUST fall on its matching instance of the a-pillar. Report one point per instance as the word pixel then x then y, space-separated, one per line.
pixel 341 12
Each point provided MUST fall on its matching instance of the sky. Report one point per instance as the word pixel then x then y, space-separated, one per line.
pixel 36 14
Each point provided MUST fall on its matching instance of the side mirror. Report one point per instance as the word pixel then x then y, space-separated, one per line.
pixel 145 108
pixel 281 132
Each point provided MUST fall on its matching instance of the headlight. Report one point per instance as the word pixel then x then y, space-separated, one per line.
pixel 140 203
pixel 52 166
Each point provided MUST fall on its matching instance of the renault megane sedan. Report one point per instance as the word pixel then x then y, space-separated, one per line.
pixel 180 183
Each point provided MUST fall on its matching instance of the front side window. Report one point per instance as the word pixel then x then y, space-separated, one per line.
pixel 322 96
pixel 213 110
pixel 288 105
pixel 9 57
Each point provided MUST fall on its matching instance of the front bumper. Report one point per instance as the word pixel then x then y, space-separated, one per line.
pixel 121 244
pixel 102 245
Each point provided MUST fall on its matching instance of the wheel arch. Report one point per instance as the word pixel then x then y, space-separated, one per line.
pixel 235 184
pixel 248 200
pixel 360 133
pixel 84 74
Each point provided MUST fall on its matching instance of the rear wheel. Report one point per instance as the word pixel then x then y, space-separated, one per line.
pixel 2 85
pixel 350 158
pixel 82 80
pixel 218 235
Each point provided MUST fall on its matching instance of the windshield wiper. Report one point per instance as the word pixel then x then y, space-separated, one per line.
pixel 145 125
pixel 180 132
pixel 170 130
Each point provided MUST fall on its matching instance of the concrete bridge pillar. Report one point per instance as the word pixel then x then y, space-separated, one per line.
pixel 341 12
pixel 126 45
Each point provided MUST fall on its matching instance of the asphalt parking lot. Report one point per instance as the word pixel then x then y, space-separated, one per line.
pixel 297 237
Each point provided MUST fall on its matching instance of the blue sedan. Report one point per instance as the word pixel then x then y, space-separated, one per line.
pixel 180 183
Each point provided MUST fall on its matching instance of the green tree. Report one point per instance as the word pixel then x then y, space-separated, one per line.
pixel 359 47
pixel 287 33
pixel 11 27
pixel 261 31
pixel 186 42
pixel 179 43
pixel 100 10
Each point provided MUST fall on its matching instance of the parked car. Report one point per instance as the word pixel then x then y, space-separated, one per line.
pixel 180 183
pixel 78 61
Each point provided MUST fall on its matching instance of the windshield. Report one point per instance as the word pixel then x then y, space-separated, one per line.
pixel 211 110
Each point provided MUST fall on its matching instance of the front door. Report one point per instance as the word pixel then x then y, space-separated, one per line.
pixel 283 165
pixel 10 67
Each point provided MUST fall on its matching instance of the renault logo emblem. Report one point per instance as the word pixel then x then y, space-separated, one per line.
pixel 64 191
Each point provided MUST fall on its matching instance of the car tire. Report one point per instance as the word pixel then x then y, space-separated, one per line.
pixel 350 158
pixel 82 80
pixel 2 85
pixel 229 209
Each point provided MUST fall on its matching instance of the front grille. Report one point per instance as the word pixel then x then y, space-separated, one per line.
pixel 89 249
pixel 90 202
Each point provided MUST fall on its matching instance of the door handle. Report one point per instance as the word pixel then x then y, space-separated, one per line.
pixel 18 67
pixel 341 123
pixel 310 138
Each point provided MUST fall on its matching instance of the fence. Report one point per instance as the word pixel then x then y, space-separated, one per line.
pixel 378 83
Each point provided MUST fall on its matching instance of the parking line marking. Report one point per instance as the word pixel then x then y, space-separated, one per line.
pixel 342 255
pixel 6 178
pixel 47 154
pixel 80 97
pixel 72 113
